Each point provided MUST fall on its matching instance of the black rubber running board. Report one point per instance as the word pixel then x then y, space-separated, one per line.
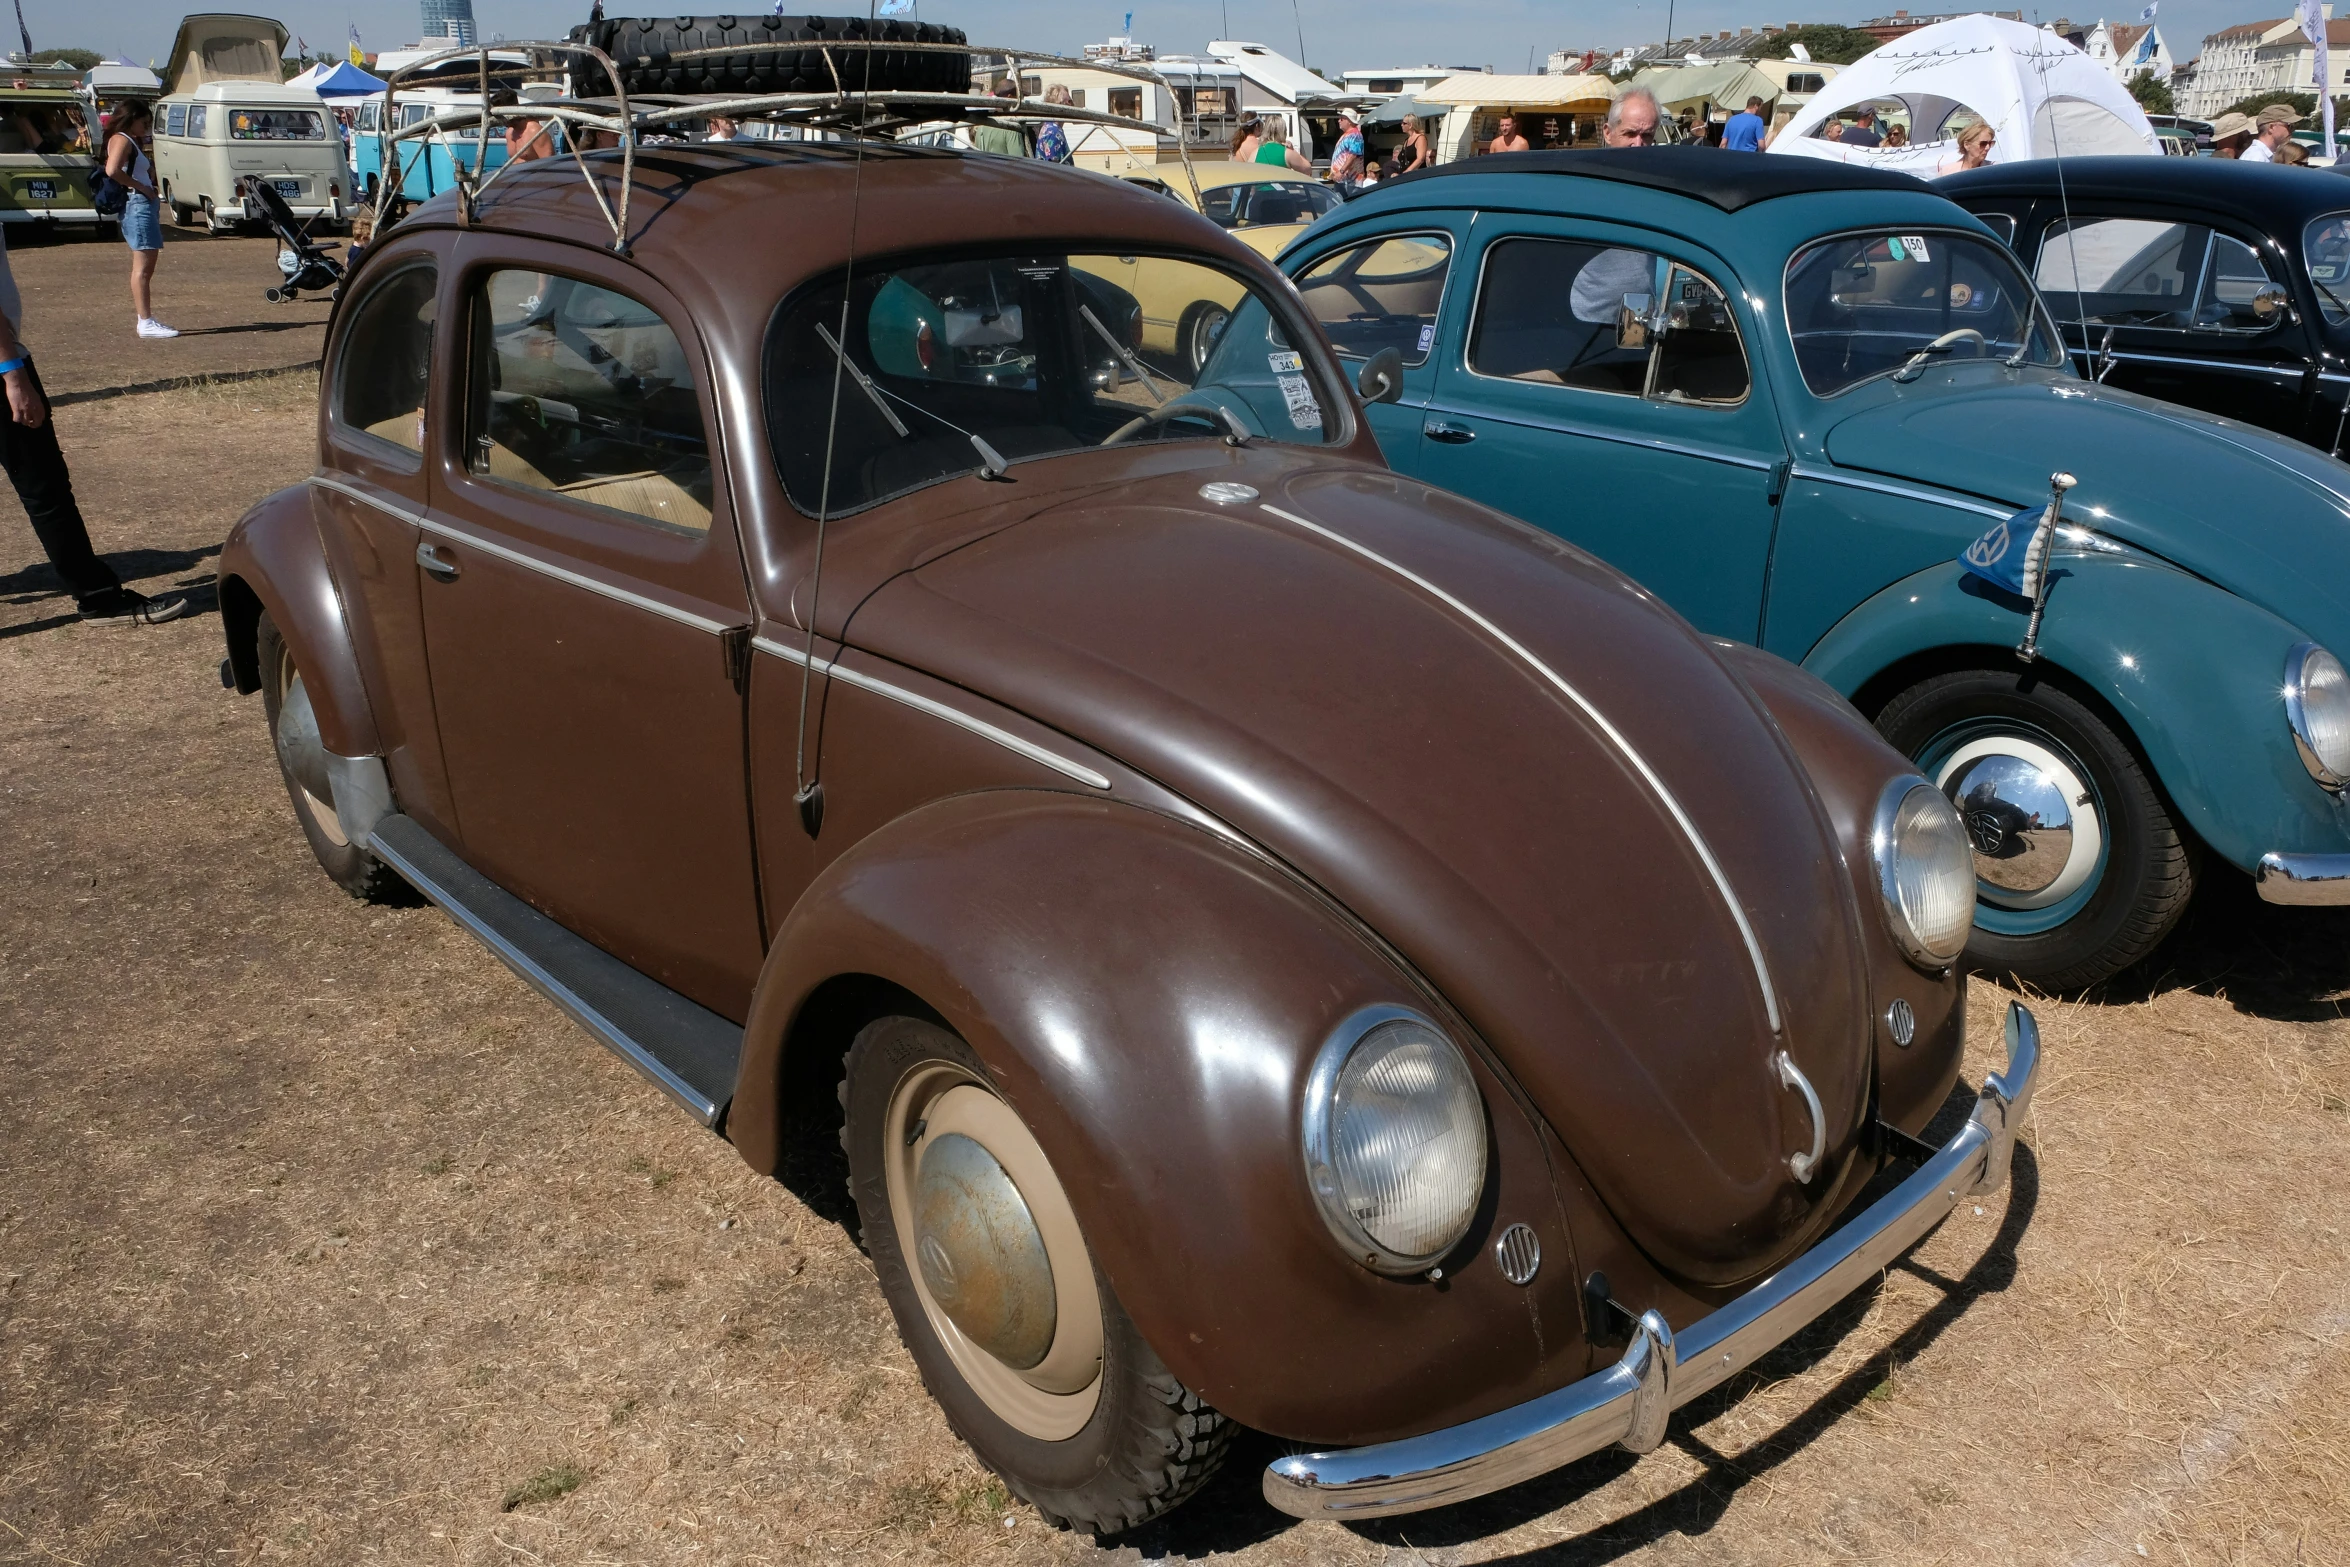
pixel 688 1051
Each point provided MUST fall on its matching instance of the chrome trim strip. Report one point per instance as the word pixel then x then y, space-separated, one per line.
pixel 977 726
pixel 546 984
pixel 1801 1165
pixel 2238 366
pixel 1663 1370
pixel 2304 880
pixel 1803 470
pixel 2341 497
pixel 366 499
pixel 1619 438
pixel 1624 748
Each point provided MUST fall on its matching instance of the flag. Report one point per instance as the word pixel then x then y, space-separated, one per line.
pixel 897 7
pixel 2312 15
pixel 358 56
pixel 2014 554
pixel 2147 15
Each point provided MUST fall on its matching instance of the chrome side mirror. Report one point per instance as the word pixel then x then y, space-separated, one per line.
pixel 2272 304
pixel 1381 380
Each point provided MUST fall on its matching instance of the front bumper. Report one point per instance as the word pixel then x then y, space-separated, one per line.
pixel 1630 1402
pixel 2306 880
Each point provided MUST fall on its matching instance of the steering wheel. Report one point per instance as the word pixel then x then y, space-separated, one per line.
pixel 1955 336
pixel 1186 403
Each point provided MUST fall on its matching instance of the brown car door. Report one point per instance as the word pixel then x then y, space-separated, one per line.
pixel 582 583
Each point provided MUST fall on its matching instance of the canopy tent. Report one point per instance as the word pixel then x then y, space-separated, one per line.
pixel 1395 111
pixel 1475 89
pixel 337 79
pixel 2039 94
pixel 1726 85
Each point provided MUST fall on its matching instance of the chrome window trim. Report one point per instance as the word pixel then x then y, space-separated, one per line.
pixel 1615 737
pixel 1477 305
pixel 1452 250
pixel 684 617
pixel 1890 799
pixel 2048 319
pixel 2296 671
pixel 1315 1135
pixel 1619 437
pixel 2271 368
pixel 978 726
pixel 1837 476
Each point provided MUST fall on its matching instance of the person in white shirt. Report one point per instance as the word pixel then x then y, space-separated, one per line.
pixel 2272 127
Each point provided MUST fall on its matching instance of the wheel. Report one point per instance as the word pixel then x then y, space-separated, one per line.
pixel 2080 869
pixel 1018 1337
pixel 212 223
pixel 301 758
pixel 1202 330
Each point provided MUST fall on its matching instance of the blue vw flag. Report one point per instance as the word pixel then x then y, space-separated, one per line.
pixel 897 7
pixel 2014 554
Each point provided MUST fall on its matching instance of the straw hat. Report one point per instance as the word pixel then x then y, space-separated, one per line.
pixel 2231 125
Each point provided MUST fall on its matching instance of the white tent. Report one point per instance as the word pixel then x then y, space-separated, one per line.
pixel 2040 95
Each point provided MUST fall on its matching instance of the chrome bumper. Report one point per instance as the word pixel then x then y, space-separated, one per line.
pixel 1630 1402
pixel 2304 879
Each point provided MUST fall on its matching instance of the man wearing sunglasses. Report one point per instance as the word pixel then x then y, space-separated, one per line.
pixel 1631 119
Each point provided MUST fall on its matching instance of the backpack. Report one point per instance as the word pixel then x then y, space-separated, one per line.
pixel 107 195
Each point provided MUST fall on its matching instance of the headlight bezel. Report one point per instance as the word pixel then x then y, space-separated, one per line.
pixel 1318 1134
pixel 1890 801
pixel 2330 778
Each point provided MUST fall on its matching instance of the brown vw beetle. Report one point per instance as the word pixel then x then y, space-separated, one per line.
pixel 1293 947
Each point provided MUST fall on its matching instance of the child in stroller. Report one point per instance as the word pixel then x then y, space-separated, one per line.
pixel 306 264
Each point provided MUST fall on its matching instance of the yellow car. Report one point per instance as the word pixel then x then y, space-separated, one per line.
pixel 1265 208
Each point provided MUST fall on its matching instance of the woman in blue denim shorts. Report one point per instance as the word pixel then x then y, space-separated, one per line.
pixel 128 165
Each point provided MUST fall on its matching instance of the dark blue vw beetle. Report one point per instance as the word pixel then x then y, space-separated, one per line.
pixel 1786 395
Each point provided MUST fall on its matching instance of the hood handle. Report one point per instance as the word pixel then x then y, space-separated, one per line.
pixel 1803 1165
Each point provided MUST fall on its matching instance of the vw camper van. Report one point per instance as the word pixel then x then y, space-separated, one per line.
pixel 228 120
pixel 46 151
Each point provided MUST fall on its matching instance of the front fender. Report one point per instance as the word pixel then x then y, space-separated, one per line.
pixel 1150 998
pixel 2195 673
pixel 274 554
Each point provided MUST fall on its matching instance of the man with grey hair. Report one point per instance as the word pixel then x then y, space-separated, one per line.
pixel 1631 119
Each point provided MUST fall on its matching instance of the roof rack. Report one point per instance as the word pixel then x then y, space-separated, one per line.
pixel 629 118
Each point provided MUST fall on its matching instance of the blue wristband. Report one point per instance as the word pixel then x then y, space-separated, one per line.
pixel 18 363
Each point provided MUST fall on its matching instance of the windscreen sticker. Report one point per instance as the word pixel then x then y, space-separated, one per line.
pixel 1286 364
pixel 1917 247
pixel 1427 337
pixel 1893 245
pixel 1304 412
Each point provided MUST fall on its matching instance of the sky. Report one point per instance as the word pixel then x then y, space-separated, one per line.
pixel 1338 34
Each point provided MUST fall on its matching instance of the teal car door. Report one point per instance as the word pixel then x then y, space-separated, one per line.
pixel 1600 389
pixel 1388 292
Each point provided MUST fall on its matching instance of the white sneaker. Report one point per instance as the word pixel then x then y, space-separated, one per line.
pixel 150 327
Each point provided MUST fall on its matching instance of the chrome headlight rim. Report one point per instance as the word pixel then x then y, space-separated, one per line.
pixel 2297 663
pixel 1319 1134
pixel 1890 800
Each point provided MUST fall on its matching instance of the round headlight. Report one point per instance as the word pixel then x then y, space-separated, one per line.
pixel 1925 871
pixel 1394 1140
pixel 2317 702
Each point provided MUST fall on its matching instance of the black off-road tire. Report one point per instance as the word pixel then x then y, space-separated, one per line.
pixel 346 864
pixel 2151 864
pixel 1150 1443
pixel 766 54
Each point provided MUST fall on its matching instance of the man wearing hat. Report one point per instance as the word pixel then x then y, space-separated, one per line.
pixel 2230 135
pixel 2272 128
pixel 1346 163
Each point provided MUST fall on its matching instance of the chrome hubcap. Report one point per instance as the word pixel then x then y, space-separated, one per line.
pixel 304 753
pixel 981 1253
pixel 2033 819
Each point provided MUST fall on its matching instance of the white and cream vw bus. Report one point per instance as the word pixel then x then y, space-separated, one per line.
pixel 229 122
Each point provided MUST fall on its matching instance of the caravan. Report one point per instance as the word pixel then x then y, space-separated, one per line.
pixel 228 120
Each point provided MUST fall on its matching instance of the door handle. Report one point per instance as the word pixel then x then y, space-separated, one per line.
pixel 435 563
pixel 1449 434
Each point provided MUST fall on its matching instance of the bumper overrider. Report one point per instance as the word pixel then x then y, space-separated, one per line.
pixel 1630 1402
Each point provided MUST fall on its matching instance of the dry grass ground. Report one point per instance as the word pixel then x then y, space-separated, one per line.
pixel 324 1240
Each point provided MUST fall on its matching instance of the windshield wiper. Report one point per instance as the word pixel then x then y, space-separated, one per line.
pixel 1125 355
pixel 864 382
pixel 991 461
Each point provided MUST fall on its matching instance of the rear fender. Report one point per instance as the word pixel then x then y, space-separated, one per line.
pixel 274 562
pixel 1149 998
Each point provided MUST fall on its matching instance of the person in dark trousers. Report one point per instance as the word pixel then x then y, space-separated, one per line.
pixel 28 450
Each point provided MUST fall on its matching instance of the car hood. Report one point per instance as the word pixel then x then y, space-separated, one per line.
pixel 1437 783
pixel 2262 516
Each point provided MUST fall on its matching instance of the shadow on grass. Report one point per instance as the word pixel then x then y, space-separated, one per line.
pixel 2286 964
pixel 1231 1512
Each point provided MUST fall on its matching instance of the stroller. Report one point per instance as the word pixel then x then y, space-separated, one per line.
pixel 306 264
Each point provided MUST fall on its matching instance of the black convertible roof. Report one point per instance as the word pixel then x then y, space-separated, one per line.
pixel 1727 180
pixel 2259 192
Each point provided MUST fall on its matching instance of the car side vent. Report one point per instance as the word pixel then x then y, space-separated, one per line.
pixel 1518 1254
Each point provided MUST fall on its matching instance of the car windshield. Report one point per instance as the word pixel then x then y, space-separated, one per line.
pixel 2325 245
pixel 1862 305
pixel 970 364
pixel 1259 203
pixel 276 125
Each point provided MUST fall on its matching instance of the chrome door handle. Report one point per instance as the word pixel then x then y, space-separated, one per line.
pixel 1449 434
pixel 429 556
pixel 1802 1165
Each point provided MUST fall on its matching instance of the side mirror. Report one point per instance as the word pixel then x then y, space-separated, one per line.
pixel 1382 378
pixel 2272 304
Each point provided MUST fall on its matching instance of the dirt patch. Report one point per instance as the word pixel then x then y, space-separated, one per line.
pixel 323 1238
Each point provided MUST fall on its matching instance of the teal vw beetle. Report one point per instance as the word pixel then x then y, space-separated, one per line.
pixel 1787 395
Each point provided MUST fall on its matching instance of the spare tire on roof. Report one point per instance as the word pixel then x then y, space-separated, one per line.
pixel 769 54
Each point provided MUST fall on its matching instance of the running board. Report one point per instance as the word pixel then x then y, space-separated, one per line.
pixel 688 1051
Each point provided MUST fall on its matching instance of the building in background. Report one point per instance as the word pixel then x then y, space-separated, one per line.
pixel 451 19
pixel 2229 66
pixel 2129 50
pixel 1884 29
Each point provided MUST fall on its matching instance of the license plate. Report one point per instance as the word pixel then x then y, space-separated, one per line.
pixel 41 190
pixel 290 189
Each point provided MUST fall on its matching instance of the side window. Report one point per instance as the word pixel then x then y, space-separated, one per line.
pixel 588 394
pixel 2237 293
pixel 2122 271
pixel 1605 319
pixel 386 360
pixel 367 113
pixel 2001 224
pixel 1126 101
pixel 1383 294
pixel 196 115
pixel 175 120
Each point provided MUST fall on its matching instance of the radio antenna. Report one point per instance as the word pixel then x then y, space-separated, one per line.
pixel 807 788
